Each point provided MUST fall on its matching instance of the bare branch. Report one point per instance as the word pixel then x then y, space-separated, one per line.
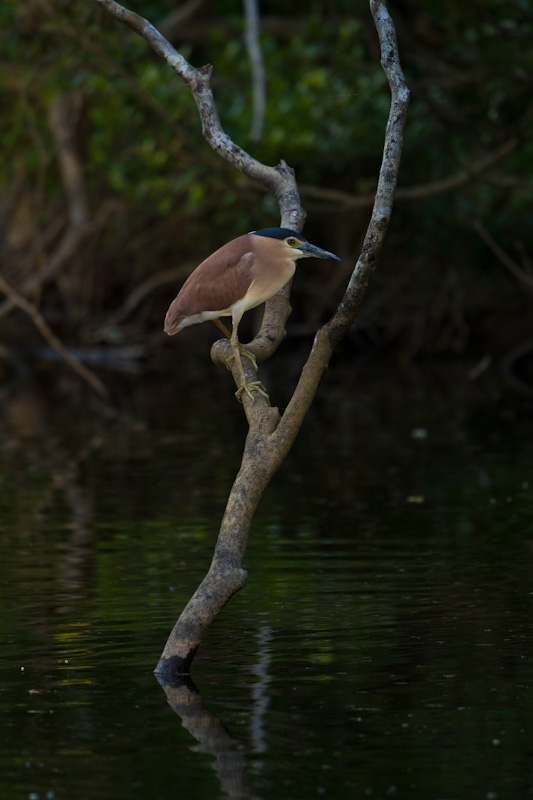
pixel 330 334
pixel 111 66
pixel 258 70
pixel 63 115
pixel 424 190
pixel 66 249
pixel 145 288
pixel 270 436
pixel 279 180
pixel 501 255
pixel 181 14
pixel 43 328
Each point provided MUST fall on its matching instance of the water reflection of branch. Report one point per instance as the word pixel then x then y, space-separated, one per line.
pixel 34 432
pixel 230 762
pixel 259 690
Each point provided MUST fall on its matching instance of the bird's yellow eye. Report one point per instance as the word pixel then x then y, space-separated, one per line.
pixel 292 242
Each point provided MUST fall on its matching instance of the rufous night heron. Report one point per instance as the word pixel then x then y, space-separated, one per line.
pixel 240 275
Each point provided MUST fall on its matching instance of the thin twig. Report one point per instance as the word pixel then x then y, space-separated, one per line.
pixel 251 11
pixel 42 326
pixel 67 247
pixel 501 255
pixel 422 191
pixel 168 25
pixel 146 287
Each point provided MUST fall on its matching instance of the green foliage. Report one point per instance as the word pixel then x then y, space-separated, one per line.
pixel 139 135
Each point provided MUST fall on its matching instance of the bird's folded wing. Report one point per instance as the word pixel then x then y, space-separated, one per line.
pixel 217 286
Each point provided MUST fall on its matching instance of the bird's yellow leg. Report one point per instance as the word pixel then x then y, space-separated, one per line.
pixel 223 328
pixel 246 386
pixel 242 349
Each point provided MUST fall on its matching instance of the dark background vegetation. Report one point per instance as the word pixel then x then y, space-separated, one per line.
pixel 383 644
pixel 102 250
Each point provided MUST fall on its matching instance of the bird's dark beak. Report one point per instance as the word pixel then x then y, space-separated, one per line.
pixel 316 252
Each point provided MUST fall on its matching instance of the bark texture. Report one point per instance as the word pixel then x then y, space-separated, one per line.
pixel 271 434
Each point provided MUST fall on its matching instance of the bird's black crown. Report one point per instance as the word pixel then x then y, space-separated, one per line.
pixel 279 233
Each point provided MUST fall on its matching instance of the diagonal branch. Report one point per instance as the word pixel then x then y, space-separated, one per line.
pixel 525 278
pixel 280 180
pixel 338 326
pixel 422 191
pixel 172 22
pixel 44 329
pixel 271 436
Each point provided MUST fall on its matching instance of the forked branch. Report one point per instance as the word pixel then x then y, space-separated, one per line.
pixel 279 180
pixel 270 435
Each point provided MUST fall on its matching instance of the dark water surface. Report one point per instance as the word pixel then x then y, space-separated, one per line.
pixel 383 646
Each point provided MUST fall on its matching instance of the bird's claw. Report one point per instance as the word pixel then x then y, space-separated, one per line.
pixel 253 386
pixel 247 354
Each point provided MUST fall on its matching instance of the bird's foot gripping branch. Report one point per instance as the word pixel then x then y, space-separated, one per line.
pixel 247 387
pixel 246 354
